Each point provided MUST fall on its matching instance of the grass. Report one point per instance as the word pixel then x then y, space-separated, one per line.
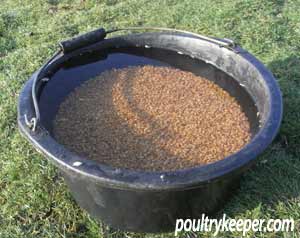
pixel 34 202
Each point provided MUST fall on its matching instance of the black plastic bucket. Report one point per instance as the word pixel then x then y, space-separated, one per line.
pixel 150 201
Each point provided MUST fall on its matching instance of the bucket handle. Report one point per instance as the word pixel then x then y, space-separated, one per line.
pixel 95 36
pixel 225 42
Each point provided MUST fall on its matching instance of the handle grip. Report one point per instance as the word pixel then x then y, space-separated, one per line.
pixel 82 40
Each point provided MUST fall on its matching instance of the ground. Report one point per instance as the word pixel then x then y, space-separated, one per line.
pixel 34 201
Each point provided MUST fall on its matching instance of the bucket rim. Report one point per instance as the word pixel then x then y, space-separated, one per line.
pixel 182 179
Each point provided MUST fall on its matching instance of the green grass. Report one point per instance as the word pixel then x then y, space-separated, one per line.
pixel 34 202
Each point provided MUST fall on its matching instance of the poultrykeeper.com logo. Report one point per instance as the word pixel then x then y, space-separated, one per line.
pixel 205 224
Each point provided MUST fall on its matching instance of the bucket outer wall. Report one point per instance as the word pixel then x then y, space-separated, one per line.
pixel 151 202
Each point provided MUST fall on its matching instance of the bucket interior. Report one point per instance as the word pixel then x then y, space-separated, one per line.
pixel 82 68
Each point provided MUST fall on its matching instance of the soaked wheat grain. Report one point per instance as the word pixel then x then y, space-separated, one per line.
pixel 151 118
